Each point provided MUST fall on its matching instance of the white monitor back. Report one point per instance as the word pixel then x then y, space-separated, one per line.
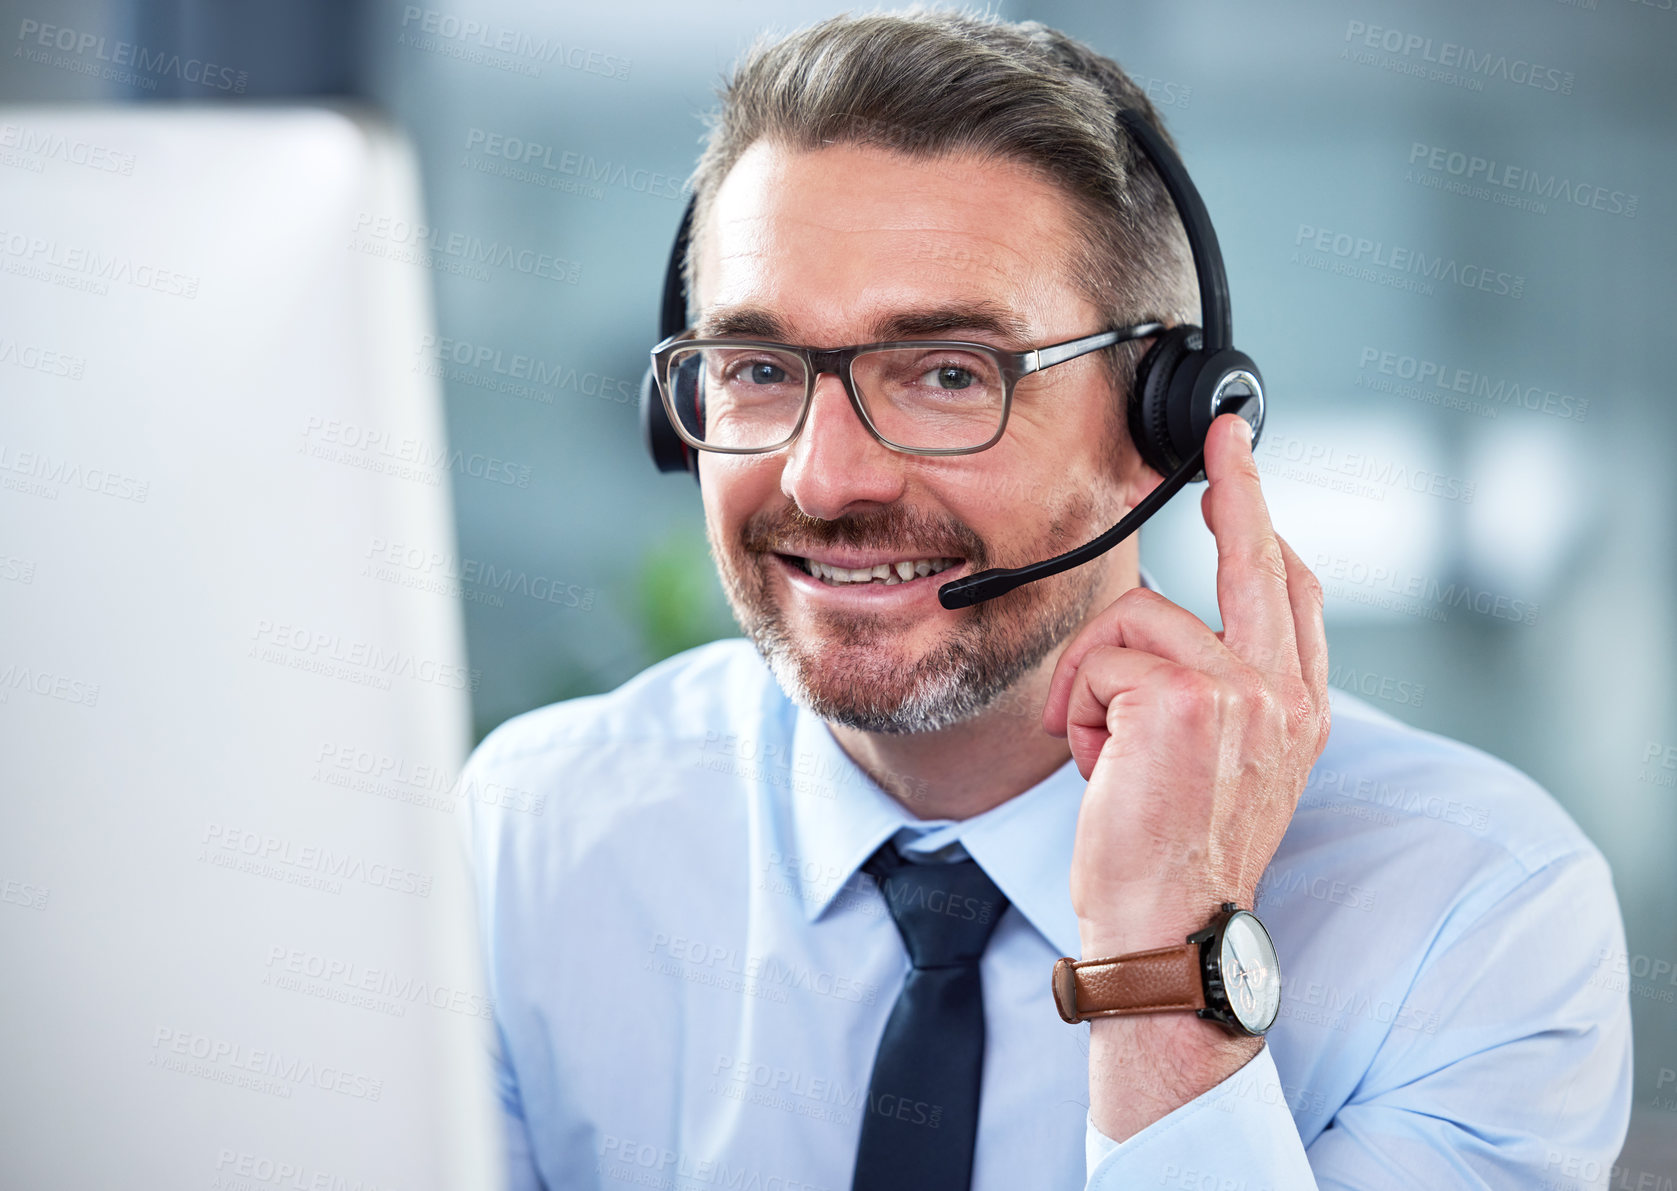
pixel 236 934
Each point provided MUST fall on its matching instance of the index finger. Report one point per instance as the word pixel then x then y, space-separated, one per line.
pixel 1251 572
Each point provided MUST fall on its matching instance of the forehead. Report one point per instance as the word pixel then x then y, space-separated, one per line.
pixel 833 242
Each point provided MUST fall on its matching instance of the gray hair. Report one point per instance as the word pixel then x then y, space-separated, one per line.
pixel 931 82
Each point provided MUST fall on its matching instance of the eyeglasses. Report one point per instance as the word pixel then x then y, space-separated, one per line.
pixel 919 396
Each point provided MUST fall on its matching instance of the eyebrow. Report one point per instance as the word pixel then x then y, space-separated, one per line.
pixel 990 318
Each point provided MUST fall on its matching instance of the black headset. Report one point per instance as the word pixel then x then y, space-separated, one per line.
pixel 1188 376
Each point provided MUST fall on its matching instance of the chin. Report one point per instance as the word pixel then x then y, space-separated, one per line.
pixel 860 689
pixel 862 682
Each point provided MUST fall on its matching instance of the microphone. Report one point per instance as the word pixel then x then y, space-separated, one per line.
pixel 987 585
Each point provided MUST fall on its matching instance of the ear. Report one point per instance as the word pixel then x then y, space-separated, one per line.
pixel 1139 480
pixel 1135 477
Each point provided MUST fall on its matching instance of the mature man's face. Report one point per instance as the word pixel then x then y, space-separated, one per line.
pixel 853 244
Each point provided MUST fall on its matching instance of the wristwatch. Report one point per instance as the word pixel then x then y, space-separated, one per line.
pixel 1227 972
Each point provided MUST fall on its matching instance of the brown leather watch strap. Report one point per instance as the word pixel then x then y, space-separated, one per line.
pixel 1141 982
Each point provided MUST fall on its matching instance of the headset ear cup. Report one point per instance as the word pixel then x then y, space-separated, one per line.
pixel 1221 379
pixel 668 451
pixel 1158 408
pixel 687 378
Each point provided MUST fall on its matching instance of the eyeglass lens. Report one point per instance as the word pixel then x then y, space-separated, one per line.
pixel 926 398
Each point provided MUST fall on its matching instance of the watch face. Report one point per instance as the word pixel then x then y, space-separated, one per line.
pixel 1251 973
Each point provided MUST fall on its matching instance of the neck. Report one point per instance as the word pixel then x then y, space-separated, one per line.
pixel 973 766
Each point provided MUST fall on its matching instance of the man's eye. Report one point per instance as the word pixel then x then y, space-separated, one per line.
pixel 763 372
pixel 949 377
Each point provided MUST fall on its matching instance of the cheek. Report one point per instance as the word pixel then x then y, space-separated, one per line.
pixel 1089 456
pixel 734 487
pixel 1003 491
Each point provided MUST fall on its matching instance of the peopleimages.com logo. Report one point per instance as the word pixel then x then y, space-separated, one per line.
pixel 1447 61
pixel 1515 185
pixel 1472 390
pixel 38 40
pixel 488 44
pixel 1366 255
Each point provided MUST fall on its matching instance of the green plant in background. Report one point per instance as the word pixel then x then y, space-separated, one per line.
pixel 679 603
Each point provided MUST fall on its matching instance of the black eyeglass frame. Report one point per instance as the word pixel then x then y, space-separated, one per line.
pixel 838 360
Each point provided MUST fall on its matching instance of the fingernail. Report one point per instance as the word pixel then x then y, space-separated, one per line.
pixel 1245 430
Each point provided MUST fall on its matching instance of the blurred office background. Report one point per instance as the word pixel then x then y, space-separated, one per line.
pixel 1474 457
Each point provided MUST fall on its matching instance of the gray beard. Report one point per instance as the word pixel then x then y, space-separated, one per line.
pixel 956 682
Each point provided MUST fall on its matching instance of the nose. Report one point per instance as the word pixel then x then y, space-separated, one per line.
pixel 836 465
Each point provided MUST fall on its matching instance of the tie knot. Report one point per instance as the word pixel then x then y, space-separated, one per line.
pixel 944 912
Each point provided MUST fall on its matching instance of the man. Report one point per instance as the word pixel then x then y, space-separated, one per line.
pixel 704 956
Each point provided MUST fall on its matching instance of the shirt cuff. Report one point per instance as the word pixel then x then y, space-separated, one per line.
pixel 1238 1134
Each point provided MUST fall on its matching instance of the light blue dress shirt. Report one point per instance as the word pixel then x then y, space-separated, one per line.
pixel 691 975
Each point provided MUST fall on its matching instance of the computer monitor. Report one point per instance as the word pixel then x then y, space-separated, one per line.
pixel 234 699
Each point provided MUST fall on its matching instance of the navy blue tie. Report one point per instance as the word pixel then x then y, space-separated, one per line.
pixel 921 1121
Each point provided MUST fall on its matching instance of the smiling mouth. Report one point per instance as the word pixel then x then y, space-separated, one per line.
pixel 886 574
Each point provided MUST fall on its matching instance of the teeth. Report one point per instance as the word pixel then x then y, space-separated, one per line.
pixel 887 573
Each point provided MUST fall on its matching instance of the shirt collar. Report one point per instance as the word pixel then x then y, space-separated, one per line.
pixel 840 817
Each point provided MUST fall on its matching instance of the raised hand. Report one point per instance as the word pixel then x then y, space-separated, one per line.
pixel 1196 745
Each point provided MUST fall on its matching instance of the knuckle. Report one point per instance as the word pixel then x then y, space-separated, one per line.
pixel 1100 657
pixel 1193 696
pixel 1251 690
pixel 1136 598
pixel 1270 717
pixel 1300 704
pixel 1313 590
pixel 1263 559
pixel 1269 562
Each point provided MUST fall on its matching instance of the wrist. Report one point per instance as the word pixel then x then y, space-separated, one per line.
pixel 1147 1054
pixel 1143 925
pixel 1141 1068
